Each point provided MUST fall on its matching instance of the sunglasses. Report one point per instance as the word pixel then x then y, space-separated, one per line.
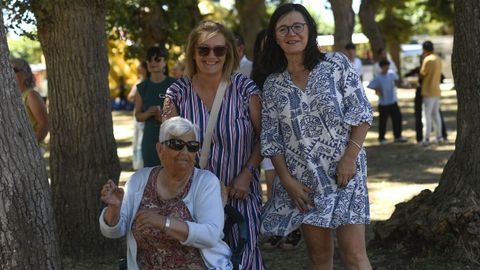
pixel 178 145
pixel 219 51
pixel 157 59
pixel 16 70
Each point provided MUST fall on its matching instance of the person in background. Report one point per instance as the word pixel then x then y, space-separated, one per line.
pixel 33 102
pixel 234 155
pixel 172 214
pixel 418 101
pixel 149 101
pixel 293 239
pixel 430 72
pixel 384 86
pixel 383 55
pixel 137 159
pixel 245 67
pixel 178 69
pixel 351 52
pixel 315 116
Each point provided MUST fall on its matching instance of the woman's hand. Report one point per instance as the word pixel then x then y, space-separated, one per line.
pixel 240 187
pixel 152 111
pixel 146 218
pixel 111 194
pixel 345 170
pixel 299 193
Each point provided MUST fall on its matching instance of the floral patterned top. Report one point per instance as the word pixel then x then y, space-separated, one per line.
pixel 311 129
pixel 156 250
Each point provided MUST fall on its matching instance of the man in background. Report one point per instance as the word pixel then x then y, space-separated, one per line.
pixel 351 52
pixel 430 72
pixel 245 65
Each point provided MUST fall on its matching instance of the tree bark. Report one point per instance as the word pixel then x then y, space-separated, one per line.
pixel 368 11
pixel 83 149
pixel 253 18
pixel 27 228
pixel 344 22
pixel 448 219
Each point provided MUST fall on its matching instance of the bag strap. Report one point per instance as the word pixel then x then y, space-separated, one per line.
pixel 212 121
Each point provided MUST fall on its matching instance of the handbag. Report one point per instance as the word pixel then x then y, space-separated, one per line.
pixel 207 139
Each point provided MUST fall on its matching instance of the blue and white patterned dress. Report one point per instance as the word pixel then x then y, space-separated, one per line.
pixel 311 128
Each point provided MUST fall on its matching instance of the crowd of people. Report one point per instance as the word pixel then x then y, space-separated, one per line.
pixel 204 135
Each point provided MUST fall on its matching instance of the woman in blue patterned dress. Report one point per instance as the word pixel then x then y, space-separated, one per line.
pixel 234 155
pixel 315 118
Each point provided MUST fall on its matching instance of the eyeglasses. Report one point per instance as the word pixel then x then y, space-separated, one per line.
pixel 178 145
pixel 157 59
pixel 219 51
pixel 297 28
pixel 16 70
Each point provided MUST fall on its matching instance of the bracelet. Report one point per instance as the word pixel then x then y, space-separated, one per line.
pixel 167 224
pixel 356 144
pixel 251 169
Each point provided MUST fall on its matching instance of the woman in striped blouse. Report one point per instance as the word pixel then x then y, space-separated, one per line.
pixel 234 154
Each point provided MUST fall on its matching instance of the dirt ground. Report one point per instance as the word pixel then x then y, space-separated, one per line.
pixel 396 172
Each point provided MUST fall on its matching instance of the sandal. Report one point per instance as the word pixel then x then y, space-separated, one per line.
pixel 292 240
pixel 272 242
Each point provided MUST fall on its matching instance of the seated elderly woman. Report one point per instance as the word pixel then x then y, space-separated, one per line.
pixel 172 214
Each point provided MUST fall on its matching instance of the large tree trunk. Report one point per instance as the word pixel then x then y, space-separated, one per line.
pixel 368 11
pixel 344 22
pixel 83 149
pixel 253 18
pixel 449 218
pixel 27 228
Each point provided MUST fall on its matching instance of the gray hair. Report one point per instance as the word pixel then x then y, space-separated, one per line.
pixel 176 127
pixel 22 65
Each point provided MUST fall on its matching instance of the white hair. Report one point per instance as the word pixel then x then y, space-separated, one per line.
pixel 176 127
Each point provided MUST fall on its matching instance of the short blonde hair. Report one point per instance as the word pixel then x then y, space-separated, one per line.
pixel 211 28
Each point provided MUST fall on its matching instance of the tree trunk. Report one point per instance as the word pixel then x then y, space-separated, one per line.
pixel 253 18
pixel 344 22
pixel 27 228
pixel 368 11
pixel 449 218
pixel 83 149
pixel 394 49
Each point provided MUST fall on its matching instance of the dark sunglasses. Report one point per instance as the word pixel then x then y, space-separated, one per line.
pixel 16 70
pixel 219 51
pixel 157 59
pixel 178 145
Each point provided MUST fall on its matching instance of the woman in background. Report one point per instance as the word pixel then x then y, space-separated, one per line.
pixel 149 101
pixel 33 102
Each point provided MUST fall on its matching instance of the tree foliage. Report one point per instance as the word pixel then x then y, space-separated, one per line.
pixel 145 23
pixel 26 48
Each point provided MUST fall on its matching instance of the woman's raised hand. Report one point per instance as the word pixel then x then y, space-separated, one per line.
pixel 111 194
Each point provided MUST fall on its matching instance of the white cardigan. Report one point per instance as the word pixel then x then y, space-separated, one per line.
pixel 204 203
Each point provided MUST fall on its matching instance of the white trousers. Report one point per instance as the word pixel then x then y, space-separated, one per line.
pixel 431 111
